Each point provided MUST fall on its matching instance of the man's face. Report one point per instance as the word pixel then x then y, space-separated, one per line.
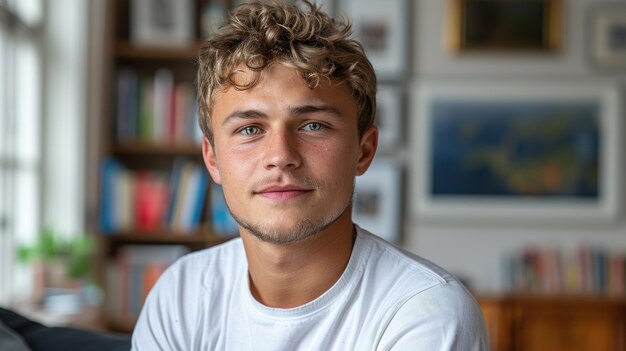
pixel 286 155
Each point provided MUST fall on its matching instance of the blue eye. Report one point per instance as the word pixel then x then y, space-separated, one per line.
pixel 314 126
pixel 250 130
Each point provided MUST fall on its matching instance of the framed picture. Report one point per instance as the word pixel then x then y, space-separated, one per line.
pixel 377 200
pixel 504 25
pixel 608 35
pixel 162 22
pixel 212 16
pixel 327 6
pixel 381 27
pixel 388 117
pixel 525 152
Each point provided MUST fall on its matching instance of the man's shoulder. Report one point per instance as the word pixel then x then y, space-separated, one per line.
pixel 423 301
pixel 401 264
pixel 446 316
pixel 407 276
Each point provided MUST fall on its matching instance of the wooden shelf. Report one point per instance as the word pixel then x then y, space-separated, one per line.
pixel 128 50
pixel 158 149
pixel 561 297
pixel 165 237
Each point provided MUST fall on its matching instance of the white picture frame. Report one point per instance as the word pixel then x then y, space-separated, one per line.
pixel 162 23
pixel 389 117
pixel 377 200
pixel 433 203
pixel 607 28
pixel 382 28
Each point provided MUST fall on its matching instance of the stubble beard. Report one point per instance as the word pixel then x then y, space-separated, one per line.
pixel 304 229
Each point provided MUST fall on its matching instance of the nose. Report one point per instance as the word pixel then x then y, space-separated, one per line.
pixel 281 150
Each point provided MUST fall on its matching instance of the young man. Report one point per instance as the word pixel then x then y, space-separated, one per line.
pixel 287 105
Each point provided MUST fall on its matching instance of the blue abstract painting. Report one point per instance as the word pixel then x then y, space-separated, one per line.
pixel 537 149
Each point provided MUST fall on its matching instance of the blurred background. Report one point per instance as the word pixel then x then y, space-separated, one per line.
pixel 500 158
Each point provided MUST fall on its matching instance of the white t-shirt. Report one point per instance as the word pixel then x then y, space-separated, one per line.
pixel 386 299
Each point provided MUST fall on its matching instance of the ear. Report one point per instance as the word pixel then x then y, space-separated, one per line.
pixel 210 161
pixel 368 146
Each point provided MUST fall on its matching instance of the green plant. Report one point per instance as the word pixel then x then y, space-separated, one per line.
pixel 75 253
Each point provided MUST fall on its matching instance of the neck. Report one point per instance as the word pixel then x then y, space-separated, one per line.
pixel 291 275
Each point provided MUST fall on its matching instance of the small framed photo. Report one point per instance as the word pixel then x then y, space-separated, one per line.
pixel 162 23
pixel 528 153
pixel 327 6
pixel 504 25
pixel 608 35
pixel 389 117
pixel 377 200
pixel 381 27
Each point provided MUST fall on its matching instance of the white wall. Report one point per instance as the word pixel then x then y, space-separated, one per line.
pixel 476 251
pixel 433 60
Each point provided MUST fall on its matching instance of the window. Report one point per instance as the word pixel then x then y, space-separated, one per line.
pixel 20 122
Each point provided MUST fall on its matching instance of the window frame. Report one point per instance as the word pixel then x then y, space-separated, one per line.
pixel 20 37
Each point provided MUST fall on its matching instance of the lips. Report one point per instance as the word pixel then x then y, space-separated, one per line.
pixel 282 192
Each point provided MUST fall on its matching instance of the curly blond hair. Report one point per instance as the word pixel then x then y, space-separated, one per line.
pixel 258 34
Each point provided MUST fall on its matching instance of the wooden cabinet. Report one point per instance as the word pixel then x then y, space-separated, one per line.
pixel 534 323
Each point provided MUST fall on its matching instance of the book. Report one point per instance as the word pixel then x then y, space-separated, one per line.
pixel 587 270
pixel 161 103
pixel 125 200
pixel 223 222
pixel 146 114
pixel 132 274
pixel 155 108
pixel 127 96
pixel 190 200
pixel 108 201
pixel 151 200
pixel 182 189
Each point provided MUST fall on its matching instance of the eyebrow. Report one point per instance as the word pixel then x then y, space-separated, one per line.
pixel 306 109
pixel 295 110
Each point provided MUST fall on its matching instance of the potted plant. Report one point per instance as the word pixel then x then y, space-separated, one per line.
pixel 59 262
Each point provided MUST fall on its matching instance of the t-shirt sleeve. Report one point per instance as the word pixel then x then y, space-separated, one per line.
pixel 162 323
pixel 443 318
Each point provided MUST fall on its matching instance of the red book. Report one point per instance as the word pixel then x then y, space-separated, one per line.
pixel 151 201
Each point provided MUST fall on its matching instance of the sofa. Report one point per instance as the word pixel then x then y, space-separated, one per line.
pixel 18 333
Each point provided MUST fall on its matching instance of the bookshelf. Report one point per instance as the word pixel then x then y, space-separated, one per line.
pixel 127 50
pixel 154 203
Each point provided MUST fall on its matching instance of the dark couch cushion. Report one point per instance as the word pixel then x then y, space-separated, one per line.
pixel 39 337
pixel 10 341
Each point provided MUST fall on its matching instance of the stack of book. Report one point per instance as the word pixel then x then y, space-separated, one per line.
pixel 152 200
pixel 584 271
pixel 133 273
pixel 155 109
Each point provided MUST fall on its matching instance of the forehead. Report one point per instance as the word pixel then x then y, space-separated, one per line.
pixel 278 86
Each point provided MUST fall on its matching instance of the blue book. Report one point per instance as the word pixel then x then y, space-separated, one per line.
pixel 223 222
pixel 175 179
pixel 108 173
pixel 200 197
pixel 126 124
